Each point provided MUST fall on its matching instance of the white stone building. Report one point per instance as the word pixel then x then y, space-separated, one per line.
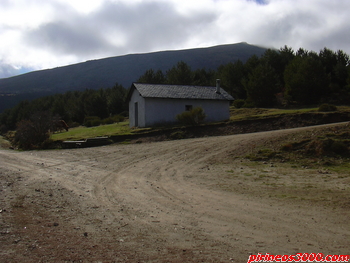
pixel 158 104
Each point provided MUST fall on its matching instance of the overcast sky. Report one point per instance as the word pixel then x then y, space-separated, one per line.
pixel 40 34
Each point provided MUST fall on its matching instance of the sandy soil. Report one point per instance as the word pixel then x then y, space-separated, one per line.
pixel 194 200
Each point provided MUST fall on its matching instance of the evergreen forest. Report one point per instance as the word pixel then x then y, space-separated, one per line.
pixel 279 78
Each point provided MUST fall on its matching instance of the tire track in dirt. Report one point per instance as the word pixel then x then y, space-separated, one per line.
pixel 174 199
pixel 161 198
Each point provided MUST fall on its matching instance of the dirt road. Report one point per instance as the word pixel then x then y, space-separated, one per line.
pixel 194 200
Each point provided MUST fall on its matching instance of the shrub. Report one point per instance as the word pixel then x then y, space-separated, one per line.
pixel 124 114
pixel 34 132
pixel 287 147
pixel 91 121
pixel 178 135
pixel 248 104
pixel 317 147
pixel 113 119
pixel 108 120
pixel 119 118
pixel 327 107
pixel 339 148
pixel 73 124
pixel 266 153
pixel 3 129
pixel 192 117
pixel 238 103
pixel 25 134
pixel 326 147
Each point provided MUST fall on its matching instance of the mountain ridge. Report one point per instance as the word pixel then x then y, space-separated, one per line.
pixel 124 69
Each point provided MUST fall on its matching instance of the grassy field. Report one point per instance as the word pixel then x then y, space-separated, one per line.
pixel 82 132
pixel 122 128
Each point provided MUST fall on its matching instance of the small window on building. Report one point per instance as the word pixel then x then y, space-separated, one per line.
pixel 188 107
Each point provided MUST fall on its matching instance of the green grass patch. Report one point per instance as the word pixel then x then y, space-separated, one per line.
pixel 80 133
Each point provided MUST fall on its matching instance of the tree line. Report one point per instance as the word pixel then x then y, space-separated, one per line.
pixel 277 78
pixel 72 106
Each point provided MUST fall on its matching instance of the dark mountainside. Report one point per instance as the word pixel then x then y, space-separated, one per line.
pixel 105 73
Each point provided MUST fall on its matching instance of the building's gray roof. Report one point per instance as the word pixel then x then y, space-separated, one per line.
pixel 181 92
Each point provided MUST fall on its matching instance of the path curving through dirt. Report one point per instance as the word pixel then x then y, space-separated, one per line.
pixel 173 201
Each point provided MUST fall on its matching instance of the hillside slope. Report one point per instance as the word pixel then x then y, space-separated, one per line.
pixel 104 73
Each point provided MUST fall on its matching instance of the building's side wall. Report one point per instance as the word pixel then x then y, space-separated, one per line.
pixel 162 111
pixel 136 97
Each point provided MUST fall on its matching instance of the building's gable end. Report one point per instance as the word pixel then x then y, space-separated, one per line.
pixel 136 109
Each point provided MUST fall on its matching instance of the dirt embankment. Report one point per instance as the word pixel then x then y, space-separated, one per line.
pixel 278 122
pixel 192 200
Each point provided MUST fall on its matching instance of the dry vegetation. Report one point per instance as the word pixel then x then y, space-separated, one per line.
pixel 322 158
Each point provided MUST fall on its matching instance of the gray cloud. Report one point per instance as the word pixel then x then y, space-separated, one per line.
pixel 153 26
pixel 59 33
pixel 336 40
pixel 62 38
pixel 144 27
pixel 289 28
pixel 303 26
pixel 260 2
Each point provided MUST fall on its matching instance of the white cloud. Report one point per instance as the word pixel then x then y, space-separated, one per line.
pixel 41 34
pixel 82 6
